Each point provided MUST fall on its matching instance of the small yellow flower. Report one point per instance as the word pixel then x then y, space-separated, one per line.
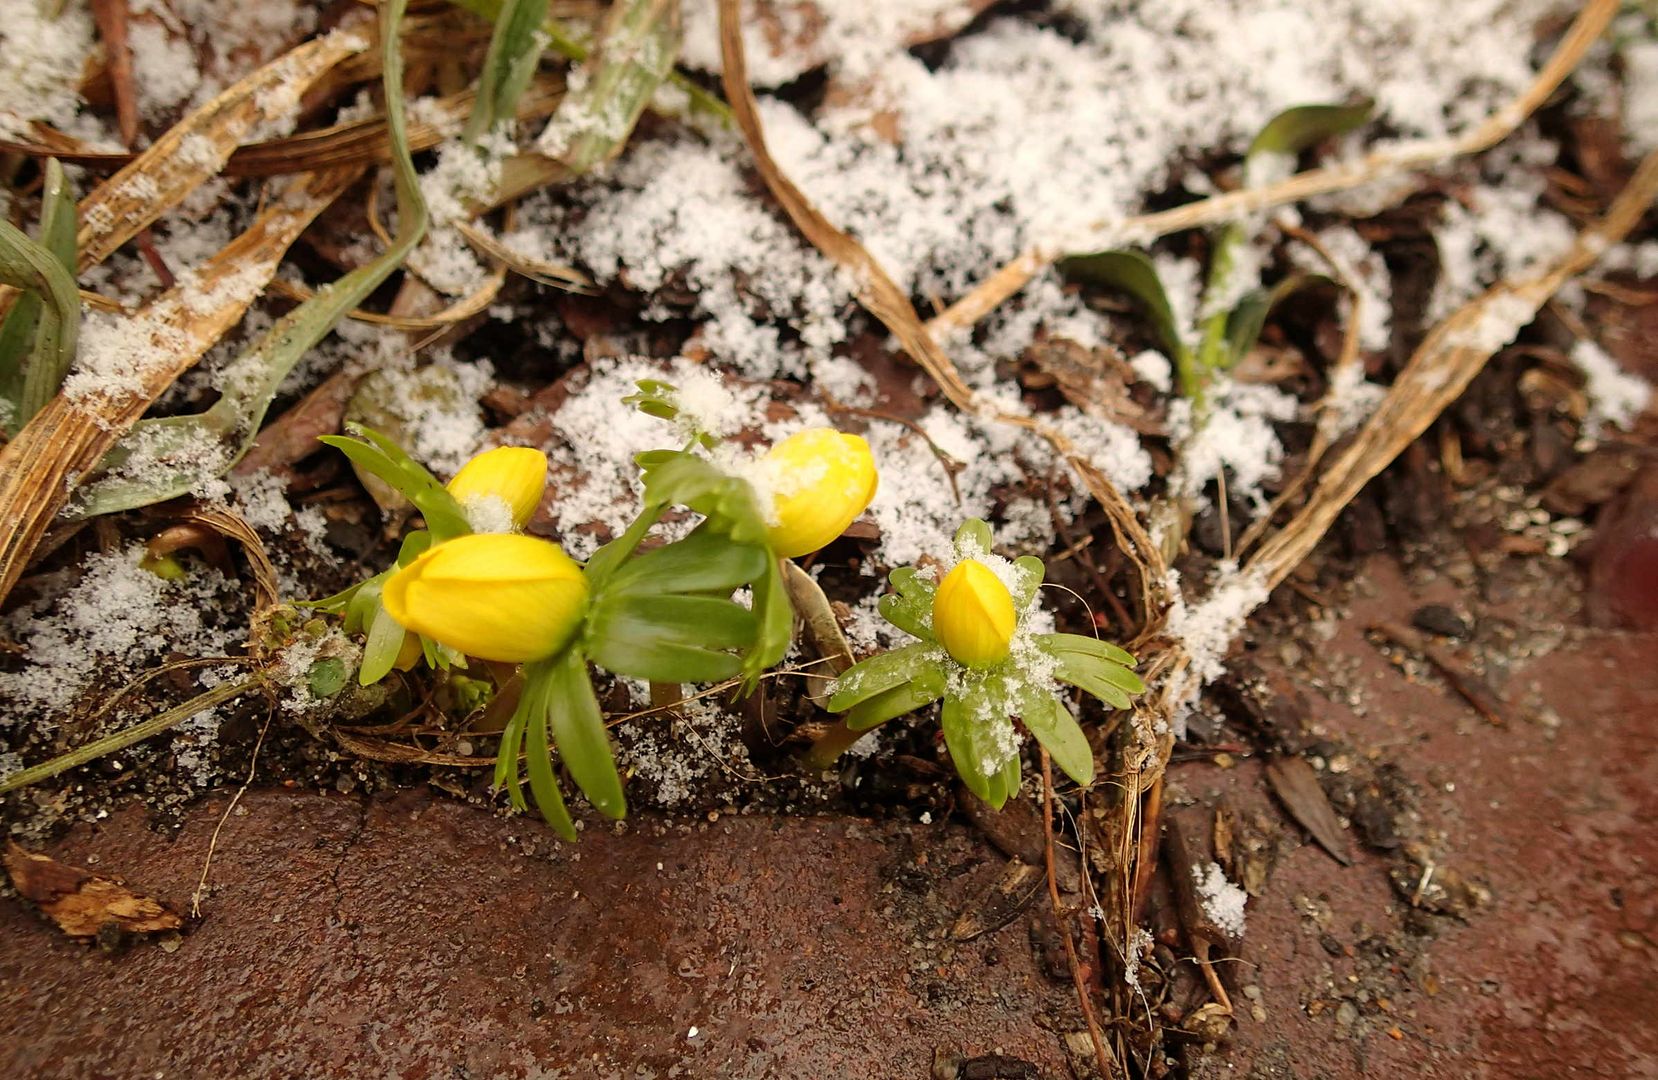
pixel 509 477
pixel 973 615
pixel 819 481
pixel 500 597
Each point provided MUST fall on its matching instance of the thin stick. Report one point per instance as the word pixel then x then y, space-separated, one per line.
pixel 990 293
pixel 1100 1056
pixel 207 863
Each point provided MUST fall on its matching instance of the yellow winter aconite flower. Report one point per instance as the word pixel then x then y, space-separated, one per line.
pixel 819 481
pixel 509 477
pixel 973 615
pixel 500 597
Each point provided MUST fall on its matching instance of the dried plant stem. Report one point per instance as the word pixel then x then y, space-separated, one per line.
pixel 1084 1002
pixel 1014 276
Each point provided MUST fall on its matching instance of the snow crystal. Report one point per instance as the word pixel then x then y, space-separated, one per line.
pixel 44 57
pixel 488 513
pixel 1207 628
pixel 1616 396
pixel 117 618
pixel 1236 434
pixel 1223 902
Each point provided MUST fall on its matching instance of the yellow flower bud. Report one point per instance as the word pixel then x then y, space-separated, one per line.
pixel 973 615
pixel 510 477
pixel 819 480
pixel 502 597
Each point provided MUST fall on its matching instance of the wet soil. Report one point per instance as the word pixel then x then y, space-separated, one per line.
pixel 1551 812
pixel 416 937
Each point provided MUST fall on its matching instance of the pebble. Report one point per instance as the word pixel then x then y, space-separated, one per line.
pixel 1440 619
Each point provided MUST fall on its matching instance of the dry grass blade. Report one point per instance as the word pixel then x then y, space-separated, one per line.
pixel 539 270
pixel 356 142
pixel 197 147
pixel 1005 282
pixel 231 525
pixel 111 17
pixel 68 438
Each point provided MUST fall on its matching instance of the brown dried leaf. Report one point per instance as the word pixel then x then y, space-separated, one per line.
pixel 1094 380
pixel 1296 786
pixel 84 904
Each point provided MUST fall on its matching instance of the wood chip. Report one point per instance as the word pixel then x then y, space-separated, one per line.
pixel 1296 786
pixel 84 904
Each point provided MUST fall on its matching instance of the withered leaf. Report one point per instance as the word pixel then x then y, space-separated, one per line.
pixel 84 904
pixel 1297 788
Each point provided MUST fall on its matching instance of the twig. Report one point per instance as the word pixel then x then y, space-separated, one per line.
pixel 213 842
pixel 1008 280
pixel 1063 921
pixel 1467 684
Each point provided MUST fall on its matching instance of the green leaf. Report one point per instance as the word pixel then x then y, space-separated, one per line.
pixel 535 705
pixel 962 739
pixel 610 557
pixel 512 745
pixel 326 677
pixel 578 728
pixel 385 641
pixel 705 561
pixel 975 533
pixel 183 451
pixel 382 457
pixel 1059 644
pixel 669 639
pixel 514 50
pixel 1105 680
pixel 568 44
pixel 1032 572
pixel 774 627
pixel 926 687
pixel 878 674
pixel 1298 127
pixel 1243 324
pixel 910 608
pixel 636 51
pixel 50 324
pixel 1048 718
pixel 1132 273
pixel 1004 783
pixel 727 502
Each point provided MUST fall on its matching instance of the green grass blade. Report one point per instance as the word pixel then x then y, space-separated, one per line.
pixel 640 42
pixel 45 331
pixel 514 50
pixel 182 447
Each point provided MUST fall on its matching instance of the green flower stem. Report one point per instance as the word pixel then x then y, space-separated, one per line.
pixel 155 725
pixel 830 746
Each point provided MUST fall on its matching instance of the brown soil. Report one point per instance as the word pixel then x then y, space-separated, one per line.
pixel 415 937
